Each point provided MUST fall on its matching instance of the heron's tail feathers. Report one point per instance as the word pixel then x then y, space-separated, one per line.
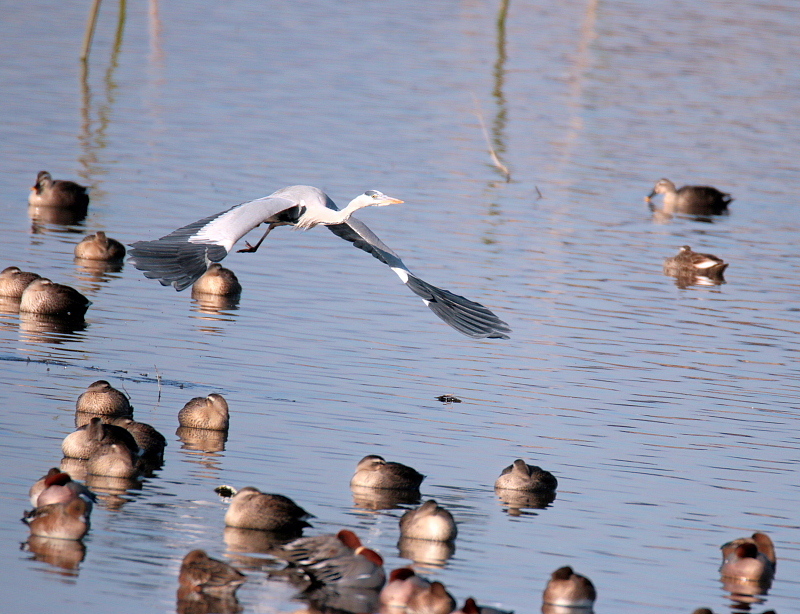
pixel 175 262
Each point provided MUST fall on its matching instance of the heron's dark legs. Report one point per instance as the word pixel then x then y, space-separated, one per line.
pixel 254 248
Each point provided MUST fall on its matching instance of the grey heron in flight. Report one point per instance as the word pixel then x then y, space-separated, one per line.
pixel 183 255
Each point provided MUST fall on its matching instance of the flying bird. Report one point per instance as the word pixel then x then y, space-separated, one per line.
pixel 181 257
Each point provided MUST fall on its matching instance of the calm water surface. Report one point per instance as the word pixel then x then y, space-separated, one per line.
pixel 669 415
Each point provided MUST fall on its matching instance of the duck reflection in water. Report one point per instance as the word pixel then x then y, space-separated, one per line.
pixel 202 440
pixel 213 304
pixel 56 330
pixel 112 492
pixel 243 544
pixel 351 600
pixel 97 272
pixel 426 552
pixel 471 607
pixel 375 499
pixel 41 215
pixel 207 585
pixel 709 611
pixel 64 553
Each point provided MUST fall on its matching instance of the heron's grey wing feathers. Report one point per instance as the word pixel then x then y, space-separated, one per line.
pixel 466 316
pixel 183 255
pixel 362 237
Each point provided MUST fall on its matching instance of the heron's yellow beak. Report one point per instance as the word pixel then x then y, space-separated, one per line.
pixel 394 201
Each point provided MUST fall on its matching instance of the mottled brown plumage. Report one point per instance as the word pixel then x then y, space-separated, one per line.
pixel 566 588
pixel 202 574
pixel 13 281
pixel 209 412
pixel 373 471
pixel 691 199
pixel 217 280
pixel 521 476
pixel 429 521
pixel 49 192
pixel 45 297
pixel 252 509
pixel 98 246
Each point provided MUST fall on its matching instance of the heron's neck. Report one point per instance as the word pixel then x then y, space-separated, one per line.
pixel 353 206
pixel 329 217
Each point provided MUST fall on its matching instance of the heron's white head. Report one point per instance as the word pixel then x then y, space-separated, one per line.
pixel 314 215
pixel 372 198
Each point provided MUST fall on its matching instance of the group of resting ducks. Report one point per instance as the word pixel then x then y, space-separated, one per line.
pixel 334 573
pixel 38 295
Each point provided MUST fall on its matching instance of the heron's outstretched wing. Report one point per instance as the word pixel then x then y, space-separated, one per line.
pixel 466 316
pixel 183 255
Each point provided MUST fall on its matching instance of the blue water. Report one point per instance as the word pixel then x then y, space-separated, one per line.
pixel 668 415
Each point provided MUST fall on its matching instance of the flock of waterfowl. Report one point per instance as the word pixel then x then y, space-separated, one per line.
pixel 332 572
pixel 109 449
pixel 335 572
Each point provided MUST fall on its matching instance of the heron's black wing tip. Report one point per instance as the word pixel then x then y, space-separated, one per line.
pixel 467 317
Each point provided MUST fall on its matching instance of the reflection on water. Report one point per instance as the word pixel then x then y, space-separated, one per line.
pixel 9 306
pixel 112 492
pixel 685 278
pixel 66 554
pixel 433 554
pixel 744 593
pixel 190 602
pixel 202 440
pixel 548 608
pixel 517 501
pixel 38 328
pixel 94 139
pixel 252 540
pixel 94 275
pixel 501 114
pixel 59 216
pixel 383 498
pixel 213 304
